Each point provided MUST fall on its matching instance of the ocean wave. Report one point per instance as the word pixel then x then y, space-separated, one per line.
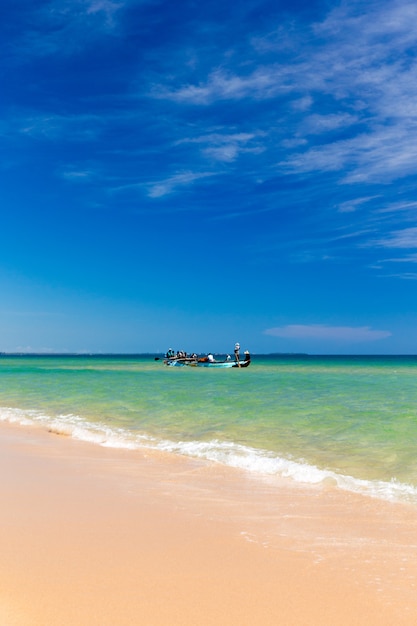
pixel 255 461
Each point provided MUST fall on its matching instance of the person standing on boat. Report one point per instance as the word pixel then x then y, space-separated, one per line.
pixel 237 355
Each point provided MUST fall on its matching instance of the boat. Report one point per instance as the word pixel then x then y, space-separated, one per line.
pixel 202 363
pixel 183 360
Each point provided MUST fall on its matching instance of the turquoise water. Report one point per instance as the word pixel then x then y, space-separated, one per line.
pixel 350 421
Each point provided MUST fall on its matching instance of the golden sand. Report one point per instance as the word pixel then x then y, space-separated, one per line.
pixel 94 536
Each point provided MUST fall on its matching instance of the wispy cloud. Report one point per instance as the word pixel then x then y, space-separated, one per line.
pixel 227 147
pixel 328 333
pixel 53 126
pixel 382 154
pixel 317 123
pixel 169 185
pixel 405 242
pixel 106 7
pixel 262 83
pixel 350 206
pixel 366 65
pixel 404 276
pixel 354 70
pixel 77 175
pixel 395 207
pixel 408 258
pixel 405 238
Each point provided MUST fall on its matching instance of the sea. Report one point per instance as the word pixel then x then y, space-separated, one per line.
pixel 347 421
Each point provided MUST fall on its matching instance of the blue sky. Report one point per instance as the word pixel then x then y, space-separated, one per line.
pixel 193 174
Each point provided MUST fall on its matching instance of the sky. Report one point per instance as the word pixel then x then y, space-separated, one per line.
pixel 188 175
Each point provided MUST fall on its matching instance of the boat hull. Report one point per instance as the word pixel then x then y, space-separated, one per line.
pixel 197 363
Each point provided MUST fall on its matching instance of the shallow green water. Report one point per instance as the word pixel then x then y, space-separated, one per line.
pixel 352 419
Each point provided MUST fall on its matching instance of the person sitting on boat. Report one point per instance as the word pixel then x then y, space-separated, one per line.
pixel 170 353
pixel 210 357
pixel 247 355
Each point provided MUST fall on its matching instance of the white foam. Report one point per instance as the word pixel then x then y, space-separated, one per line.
pixel 255 461
pixel 266 463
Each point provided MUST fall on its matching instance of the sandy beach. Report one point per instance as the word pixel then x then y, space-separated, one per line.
pixel 101 536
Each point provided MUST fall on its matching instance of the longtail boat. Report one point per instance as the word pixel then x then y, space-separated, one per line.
pixel 203 362
pixel 181 359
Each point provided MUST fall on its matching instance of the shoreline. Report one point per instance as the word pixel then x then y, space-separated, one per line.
pixel 109 536
pixel 260 462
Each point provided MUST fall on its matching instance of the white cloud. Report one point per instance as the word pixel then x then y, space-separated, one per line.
pixel 303 104
pixel 409 258
pixel 53 127
pixel 364 64
pixel 404 276
pixel 404 238
pixel 317 123
pixel 387 19
pixel 262 83
pixel 380 155
pixel 350 206
pixel 77 175
pixel 227 147
pixel 360 60
pixel 169 185
pixel 395 207
pixel 328 333
pixel 105 6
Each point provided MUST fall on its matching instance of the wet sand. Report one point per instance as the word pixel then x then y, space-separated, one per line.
pixel 99 536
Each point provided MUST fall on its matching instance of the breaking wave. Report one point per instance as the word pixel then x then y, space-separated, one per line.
pixel 255 461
